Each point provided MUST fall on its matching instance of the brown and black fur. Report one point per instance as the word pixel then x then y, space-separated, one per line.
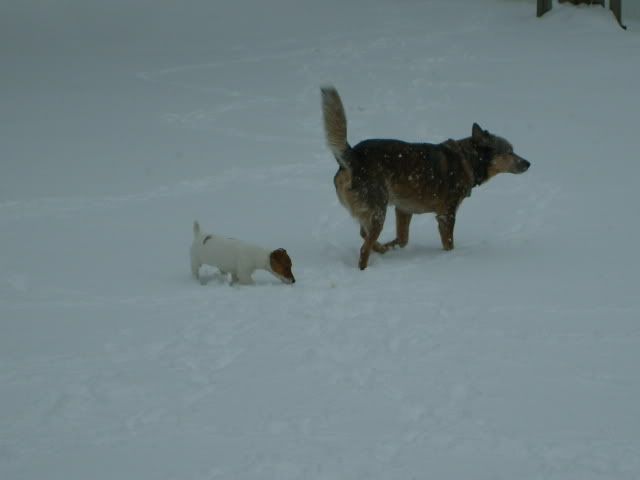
pixel 413 177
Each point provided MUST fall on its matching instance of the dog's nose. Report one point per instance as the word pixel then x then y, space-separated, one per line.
pixel 523 165
pixel 293 280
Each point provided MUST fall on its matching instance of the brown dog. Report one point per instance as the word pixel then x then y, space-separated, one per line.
pixel 414 177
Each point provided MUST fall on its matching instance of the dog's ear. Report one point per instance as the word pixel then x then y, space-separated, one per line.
pixel 477 133
pixel 281 255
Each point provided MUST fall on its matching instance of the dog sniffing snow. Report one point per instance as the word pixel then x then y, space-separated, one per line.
pixel 237 258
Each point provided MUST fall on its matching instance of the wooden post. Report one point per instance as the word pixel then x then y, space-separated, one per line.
pixel 543 7
pixel 616 8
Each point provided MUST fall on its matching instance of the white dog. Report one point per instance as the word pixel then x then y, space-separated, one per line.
pixel 237 258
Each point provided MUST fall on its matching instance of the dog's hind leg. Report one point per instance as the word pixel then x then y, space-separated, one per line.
pixel 403 220
pixel 445 226
pixel 377 246
pixel 195 268
pixel 373 230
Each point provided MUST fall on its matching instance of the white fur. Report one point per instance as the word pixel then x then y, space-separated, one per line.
pixel 229 256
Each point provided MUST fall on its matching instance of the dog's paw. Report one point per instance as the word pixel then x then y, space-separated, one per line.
pixel 394 243
pixel 380 248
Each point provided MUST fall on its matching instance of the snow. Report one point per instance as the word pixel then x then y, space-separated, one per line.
pixel 513 356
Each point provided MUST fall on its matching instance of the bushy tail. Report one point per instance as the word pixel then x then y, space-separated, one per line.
pixel 196 228
pixel 335 125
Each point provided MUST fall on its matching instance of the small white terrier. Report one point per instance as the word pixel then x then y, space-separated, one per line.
pixel 237 258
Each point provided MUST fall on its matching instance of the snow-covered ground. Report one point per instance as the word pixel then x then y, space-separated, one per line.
pixel 513 357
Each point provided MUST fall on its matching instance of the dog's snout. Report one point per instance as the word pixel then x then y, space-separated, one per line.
pixel 521 164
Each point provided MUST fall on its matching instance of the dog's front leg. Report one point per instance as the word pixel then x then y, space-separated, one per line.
pixel 445 226
pixel 242 279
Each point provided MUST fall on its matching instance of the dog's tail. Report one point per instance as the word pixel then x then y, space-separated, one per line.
pixel 335 125
pixel 196 229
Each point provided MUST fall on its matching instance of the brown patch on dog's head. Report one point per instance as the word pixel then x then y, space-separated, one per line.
pixel 497 152
pixel 281 265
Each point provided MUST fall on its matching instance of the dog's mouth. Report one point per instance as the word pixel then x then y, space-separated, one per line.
pixel 287 280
